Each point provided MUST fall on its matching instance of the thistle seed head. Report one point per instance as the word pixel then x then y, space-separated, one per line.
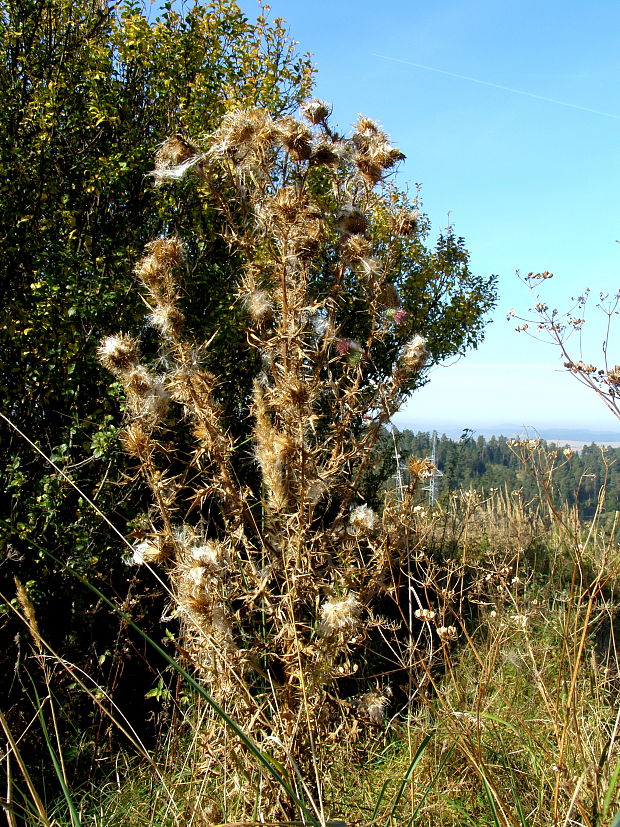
pixel 136 440
pixel 148 551
pixel 372 706
pixel 420 469
pixel 245 134
pixel 295 137
pixel 260 306
pixel 167 318
pixel 174 151
pixel 415 354
pixel 316 111
pixel 148 395
pixel 168 252
pixel 362 520
pixel 326 154
pixel 340 617
pixel 353 248
pixel 119 354
pixel 407 223
pixel 351 220
pixel 174 158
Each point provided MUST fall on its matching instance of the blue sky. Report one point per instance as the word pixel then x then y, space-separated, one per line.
pixel 530 183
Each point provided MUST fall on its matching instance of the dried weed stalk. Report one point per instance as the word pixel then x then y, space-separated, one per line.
pixel 275 576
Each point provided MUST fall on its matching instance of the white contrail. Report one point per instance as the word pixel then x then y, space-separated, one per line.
pixel 499 86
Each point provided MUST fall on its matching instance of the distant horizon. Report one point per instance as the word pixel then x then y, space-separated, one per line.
pixel 510 430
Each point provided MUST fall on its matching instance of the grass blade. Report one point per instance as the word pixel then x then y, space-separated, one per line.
pixel 24 771
pixel 75 819
pixel 414 763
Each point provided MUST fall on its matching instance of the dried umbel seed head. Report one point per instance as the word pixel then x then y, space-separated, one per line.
pixel 316 111
pixel 447 633
pixel 340 616
pixel 613 376
pixel 362 520
pixel 295 137
pixel 351 220
pixel 259 306
pixel 425 615
pixel 415 354
pixel 119 354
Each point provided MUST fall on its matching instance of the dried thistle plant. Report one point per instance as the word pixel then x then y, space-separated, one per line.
pixel 275 582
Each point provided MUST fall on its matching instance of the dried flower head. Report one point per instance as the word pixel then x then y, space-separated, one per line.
pixel 362 520
pixel 260 306
pixel 372 706
pixel 415 354
pixel 295 137
pixel 167 318
pixel 243 135
pixel 148 551
pixel 174 151
pixel 340 616
pixel 148 396
pixel 447 633
pixel 374 153
pixel 326 154
pixel 351 220
pixel 168 251
pixel 613 376
pixel 174 158
pixel 420 469
pixel 354 248
pixel 407 222
pixel 316 111
pixel 425 615
pixel 209 555
pixel 137 441
pixel 119 354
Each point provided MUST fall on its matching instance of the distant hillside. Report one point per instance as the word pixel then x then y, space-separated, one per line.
pixel 477 462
